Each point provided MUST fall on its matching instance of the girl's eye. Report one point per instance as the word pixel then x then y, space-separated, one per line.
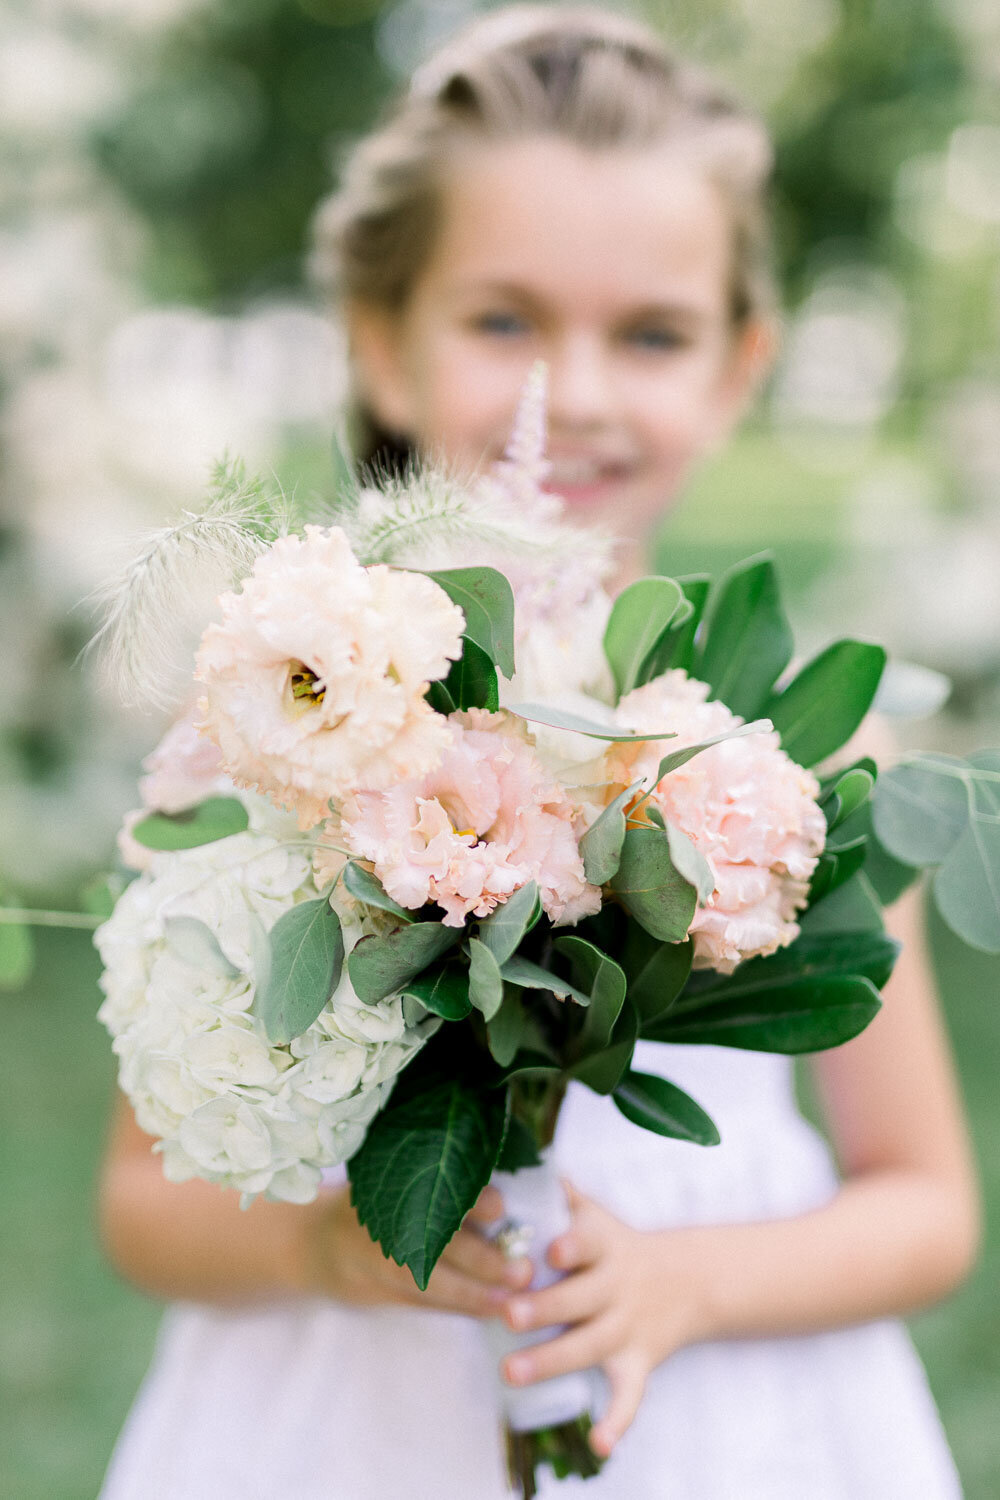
pixel 501 324
pixel 654 337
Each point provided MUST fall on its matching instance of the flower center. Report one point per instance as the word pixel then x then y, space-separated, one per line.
pixel 301 691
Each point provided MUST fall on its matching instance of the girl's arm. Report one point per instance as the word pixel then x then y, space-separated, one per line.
pixel 192 1241
pixel 902 1230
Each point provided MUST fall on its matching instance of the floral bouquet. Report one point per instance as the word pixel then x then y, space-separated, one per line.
pixel 450 831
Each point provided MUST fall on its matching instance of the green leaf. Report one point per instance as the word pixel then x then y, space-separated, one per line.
pixel 967 886
pixel 920 811
pixel 602 1070
pixel 601 845
pixel 852 907
pixel 677 758
pixel 426 1157
pixel 852 790
pixel 519 1149
pixel 656 972
pixel 193 942
pixel 530 976
pixel 485 979
pixel 837 864
pixel 662 1107
pixel 472 681
pixel 556 718
pixel 806 1017
pixel 505 1032
pixel 443 989
pixel 821 708
pixel 675 648
pixel 364 886
pixel 17 954
pixel 600 978
pixel 381 966
pixel 503 929
pixel 639 616
pixel 99 895
pixel 651 888
pixel 689 861
pixel 440 699
pixel 840 955
pixel 215 818
pixel 485 598
pixel 747 642
pixel 307 954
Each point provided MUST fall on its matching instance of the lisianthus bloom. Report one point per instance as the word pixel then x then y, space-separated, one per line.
pixel 745 805
pixel 315 677
pixel 487 820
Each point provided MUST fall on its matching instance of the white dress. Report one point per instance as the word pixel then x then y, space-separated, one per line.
pixel 313 1401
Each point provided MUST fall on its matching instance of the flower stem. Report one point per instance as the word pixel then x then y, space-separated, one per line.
pixel 32 917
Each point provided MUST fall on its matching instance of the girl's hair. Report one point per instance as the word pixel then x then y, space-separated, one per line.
pixel 581 73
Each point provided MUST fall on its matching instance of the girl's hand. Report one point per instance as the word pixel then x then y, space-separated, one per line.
pixel 632 1298
pixel 337 1257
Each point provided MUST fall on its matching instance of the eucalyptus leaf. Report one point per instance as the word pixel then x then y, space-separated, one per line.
pixel 193 942
pixel 557 718
pixel 921 809
pixel 443 989
pixel 655 1104
pixel 505 1032
pixel 677 758
pixel 821 708
pixel 600 978
pixel 484 596
pixel 601 845
pixel 364 886
pixel 503 929
pixel 651 888
pixel 639 616
pixel 472 681
pixel 215 818
pixel 689 861
pixel 747 641
pixel 967 885
pixel 307 954
pixel 485 979
pixel 381 966
pixel 531 976
pixel 602 1069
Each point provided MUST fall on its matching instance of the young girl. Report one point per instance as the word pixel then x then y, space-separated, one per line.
pixel 555 186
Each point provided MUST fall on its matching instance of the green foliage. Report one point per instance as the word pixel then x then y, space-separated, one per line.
pixel 484 596
pixel 443 989
pixel 306 958
pixel 502 931
pixel 364 886
pixel 656 972
pixel 557 718
pixel 531 976
pixel 519 1149
pixel 747 641
pixel 651 888
pixel 599 977
pixel 806 1015
pixel 381 966
pixel 852 907
pixel 655 1104
pixel 821 708
pixel 425 1159
pixel 689 861
pixel 472 681
pixel 485 979
pixel 675 647
pixel 920 810
pixel 640 616
pixel 601 845
pixel 215 818
pixel 967 885
pixel 603 1070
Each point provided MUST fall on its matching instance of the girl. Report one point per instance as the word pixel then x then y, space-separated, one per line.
pixel 555 186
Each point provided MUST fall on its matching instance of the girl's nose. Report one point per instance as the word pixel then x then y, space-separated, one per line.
pixel 581 384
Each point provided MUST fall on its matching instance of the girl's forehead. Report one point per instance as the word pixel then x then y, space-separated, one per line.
pixel 546 215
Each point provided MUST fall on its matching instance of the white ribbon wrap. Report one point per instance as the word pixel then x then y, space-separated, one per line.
pixel 536 1212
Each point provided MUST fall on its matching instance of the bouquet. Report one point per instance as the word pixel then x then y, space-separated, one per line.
pixel 448 831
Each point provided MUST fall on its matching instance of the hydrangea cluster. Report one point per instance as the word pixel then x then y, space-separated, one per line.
pixel 226 1104
pixel 744 804
pixel 315 676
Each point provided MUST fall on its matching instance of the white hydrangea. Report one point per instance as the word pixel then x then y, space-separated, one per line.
pixel 202 1076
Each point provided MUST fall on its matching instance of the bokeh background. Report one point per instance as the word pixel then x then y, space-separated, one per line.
pixel 159 164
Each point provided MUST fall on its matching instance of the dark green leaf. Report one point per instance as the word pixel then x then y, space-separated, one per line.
pixel 657 1105
pixel 747 641
pixel 840 955
pixel 443 989
pixel 806 1017
pixel 215 818
pixel 675 648
pixel 504 928
pixel 505 1032
pixel 519 1149
pixel 837 864
pixel 821 708
pixel 639 616
pixel 556 718
pixel 485 980
pixel 472 681
pixel 530 976
pixel 603 1070
pixel 307 953
pixel 921 809
pixel 364 886
pixel 425 1159
pixel 381 966
pixel 852 907
pixel 484 596
pixel 601 845
pixel 656 973
pixel 851 791
pixel 440 699
pixel 600 978
pixel 651 888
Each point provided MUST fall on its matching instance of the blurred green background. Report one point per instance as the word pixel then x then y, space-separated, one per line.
pixel 159 164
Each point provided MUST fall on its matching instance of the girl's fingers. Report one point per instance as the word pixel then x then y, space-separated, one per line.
pixel 453 1291
pixel 577 1298
pixel 470 1253
pixel 487 1208
pixel 583 1243
pixel 627 1378
pixel 585 1345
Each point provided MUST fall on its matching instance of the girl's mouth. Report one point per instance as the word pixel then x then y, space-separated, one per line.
pixel 580 479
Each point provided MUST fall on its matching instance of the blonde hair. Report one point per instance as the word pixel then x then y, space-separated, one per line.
pixel 586 74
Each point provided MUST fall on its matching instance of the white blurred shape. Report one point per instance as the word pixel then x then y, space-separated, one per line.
pixel 972 171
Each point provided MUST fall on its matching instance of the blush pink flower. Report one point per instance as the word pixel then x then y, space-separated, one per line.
pixel 746 806
pixel 183 770
pixel 487 820
pixel 315 677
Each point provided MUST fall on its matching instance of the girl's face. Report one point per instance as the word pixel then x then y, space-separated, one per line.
pixel 615 268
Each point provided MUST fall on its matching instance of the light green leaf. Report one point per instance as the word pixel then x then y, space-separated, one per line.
pixel 639 616
pixel 444 990
pixel 506 1030
pixel 821 708
pixel 193 942
pixel 747 642
pixel 601 845
pixel 690 862
pixel 485 980
pixel 17 955
pixel 967 886
pixel 529 976
pixel 504 928
pixel 921 809
pixel 675 648
pixel 651 888
pixel 655 1104
pixel 364 886
pixel 381 966
pixel 307 954
pixel 215 818
pixel 678 758
pixel 556 718
pixel 485 598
